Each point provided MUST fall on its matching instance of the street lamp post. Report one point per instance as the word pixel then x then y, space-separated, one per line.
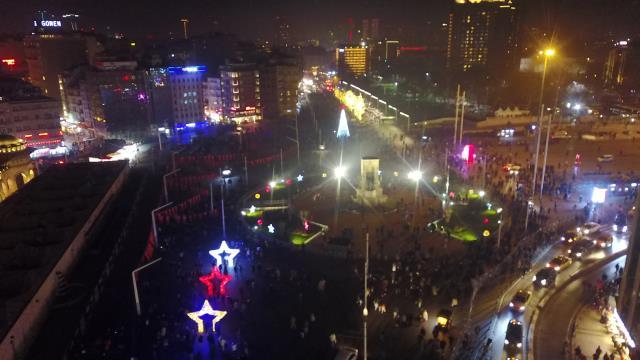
pixel 546 146
pixel 365 310
pixel 547 53
pixel 499 228
pixel 164 182
pixel 153 220
pixel 136 296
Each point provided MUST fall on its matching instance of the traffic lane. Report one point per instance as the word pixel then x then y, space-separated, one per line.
pixel 554 320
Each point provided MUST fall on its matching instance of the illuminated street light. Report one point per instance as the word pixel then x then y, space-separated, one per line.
pixel 339 172
pixel 272 184
pixel 549 52
pixel 415 175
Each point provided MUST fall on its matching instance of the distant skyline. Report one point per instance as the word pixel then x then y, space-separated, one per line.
pixel 251 19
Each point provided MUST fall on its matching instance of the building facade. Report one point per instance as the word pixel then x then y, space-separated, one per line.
pixel 187 93
pixel 49 55
pixel 279 81
pixel 240 92
pixel 28 115
pixel 352 61
pixel 16 167
pixel 482 34
pixel 212 93
pixel 107 100
pixel 619 68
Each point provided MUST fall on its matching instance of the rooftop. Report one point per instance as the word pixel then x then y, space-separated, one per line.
pixel 38 223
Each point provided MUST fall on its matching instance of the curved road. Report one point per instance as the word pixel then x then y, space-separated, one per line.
pixel 554 320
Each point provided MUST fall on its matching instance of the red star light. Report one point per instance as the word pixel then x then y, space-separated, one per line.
pixel 217 277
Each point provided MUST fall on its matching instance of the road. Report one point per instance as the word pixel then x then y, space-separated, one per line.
pixel 555 317
pixel 491 311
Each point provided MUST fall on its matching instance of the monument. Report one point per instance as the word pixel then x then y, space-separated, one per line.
pixel 369 191
pixel 343 126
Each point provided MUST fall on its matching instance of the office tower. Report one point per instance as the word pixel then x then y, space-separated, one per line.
pixel 186 93
pixel 352 60
pixel 283 32
pixel 482 34
pixel 620 67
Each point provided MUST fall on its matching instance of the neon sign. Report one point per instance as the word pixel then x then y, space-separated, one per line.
pixel 48 23
pixel 9 62
pixel 206 310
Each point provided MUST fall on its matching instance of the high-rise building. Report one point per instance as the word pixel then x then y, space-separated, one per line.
pixel 28 115
pixel 371 29
pixel 482 34
pixel 283 32
pixel 49 55
pixel 352 60
pixel 279 81
pixel 621 64
pixel 240 89
pixel 186 93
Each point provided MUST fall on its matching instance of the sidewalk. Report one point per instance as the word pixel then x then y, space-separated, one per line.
pixel 590 333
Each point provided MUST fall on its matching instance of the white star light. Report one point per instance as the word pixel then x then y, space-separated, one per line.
pixel 224 248
pixel 252 209
pixel 272 229
pixel 300 177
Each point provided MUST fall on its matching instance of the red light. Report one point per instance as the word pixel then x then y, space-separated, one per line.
pixel 485 221
pixel 9 62
pixel 306 225
pixel 289 181
pixel 413 48
pixel 259 222
pixel 267 189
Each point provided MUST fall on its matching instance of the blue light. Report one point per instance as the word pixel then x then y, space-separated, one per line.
pixel 191 125
pixel 186 69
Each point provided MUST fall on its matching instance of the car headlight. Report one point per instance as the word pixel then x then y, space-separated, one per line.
pixel 578 254
pixel 615 227
pixel 548 264
pixel 603 244
pixel 578 229
pixel 557 268
pixel 522 308
pixel 569 251
pixel 534 278
pixel 624 228
pixel 511 304
pixel 585 231
pixel 543 282
pixel 506 342
pixel 519 345
pixel 562 238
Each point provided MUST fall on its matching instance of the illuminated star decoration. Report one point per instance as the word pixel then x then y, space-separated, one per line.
pixel 224 248
pixel 299 178
pixel 272 229
pixel 215 275
pixel 252 209
pixel 206 310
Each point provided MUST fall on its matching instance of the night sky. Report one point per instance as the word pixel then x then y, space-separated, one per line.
pixel 309 18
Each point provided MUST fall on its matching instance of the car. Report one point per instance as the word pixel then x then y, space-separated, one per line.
pixel 620 223
pixel 346 353
pixel 569 237
pixel 588 228
pixel 603 241
pixel 561 134
pixel 605 158
pixel 580 249
pixel 559 263
pixel 511 168
pixel 519 301
pixel 513 339
pixel 545 277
